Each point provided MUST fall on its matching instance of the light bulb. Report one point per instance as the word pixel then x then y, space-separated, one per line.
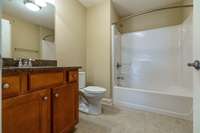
pixel 31 6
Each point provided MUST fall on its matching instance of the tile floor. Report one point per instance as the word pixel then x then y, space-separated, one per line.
pixel 131 121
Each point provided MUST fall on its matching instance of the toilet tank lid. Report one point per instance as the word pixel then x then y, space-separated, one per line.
pixel 95 89
pixel 81 72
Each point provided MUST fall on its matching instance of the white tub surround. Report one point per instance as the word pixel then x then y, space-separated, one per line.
pixel 150 70
pixel 167 103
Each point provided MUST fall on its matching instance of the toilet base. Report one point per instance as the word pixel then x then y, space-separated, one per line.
pixel 83 108
pixel 90 103
pixel 91 109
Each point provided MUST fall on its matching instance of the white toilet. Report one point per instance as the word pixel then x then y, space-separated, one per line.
pixel 90 97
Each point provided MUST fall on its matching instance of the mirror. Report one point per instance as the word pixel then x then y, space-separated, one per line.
pixel 28 29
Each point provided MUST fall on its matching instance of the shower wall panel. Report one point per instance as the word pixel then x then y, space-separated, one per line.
pixel 157 59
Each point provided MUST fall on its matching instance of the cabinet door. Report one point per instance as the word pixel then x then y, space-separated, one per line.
pixel 27 114
pixel 63 109
pixel 75 89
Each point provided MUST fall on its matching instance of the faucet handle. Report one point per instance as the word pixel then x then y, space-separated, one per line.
pixel 30 62
pixel 20 63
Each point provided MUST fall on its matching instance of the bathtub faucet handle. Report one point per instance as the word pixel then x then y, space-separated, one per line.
pixel 120 78
pixel 195 64
pixel 118 65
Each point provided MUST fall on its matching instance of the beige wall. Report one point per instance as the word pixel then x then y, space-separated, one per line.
pixel 70 32
pixel 98 46
pixel 114 16
pixel 26 35
pixel 83 39
pixel 187 11
pixel 153 20
pixel 1 8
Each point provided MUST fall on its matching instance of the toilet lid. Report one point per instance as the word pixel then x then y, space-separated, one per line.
pixel 95 89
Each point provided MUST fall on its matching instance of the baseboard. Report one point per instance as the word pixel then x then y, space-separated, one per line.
pixel 107 101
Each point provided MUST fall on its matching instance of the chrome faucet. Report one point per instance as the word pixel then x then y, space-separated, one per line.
pixel 25 62
pixel 20 63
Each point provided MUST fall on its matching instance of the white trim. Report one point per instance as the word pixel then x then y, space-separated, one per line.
pixel 154 110
pixel 107 101
pixel 196 83
pixel 169 93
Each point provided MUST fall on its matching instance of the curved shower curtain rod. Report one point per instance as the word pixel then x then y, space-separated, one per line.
pixel 47 36
pixel 153 10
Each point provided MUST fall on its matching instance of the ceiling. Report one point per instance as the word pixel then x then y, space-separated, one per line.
pixel 89 3
pixel 127 7
pixel 45 17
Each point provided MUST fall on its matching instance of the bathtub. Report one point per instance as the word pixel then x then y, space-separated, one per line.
pixel 175 102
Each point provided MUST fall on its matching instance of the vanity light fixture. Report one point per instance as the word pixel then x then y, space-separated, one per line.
pixel 31 5
pixel 41 3
pixel 51 2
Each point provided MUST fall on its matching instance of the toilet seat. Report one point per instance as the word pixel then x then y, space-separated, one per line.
pixel 94 90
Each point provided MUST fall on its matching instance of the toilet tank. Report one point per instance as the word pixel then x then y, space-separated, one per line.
pixel 82 80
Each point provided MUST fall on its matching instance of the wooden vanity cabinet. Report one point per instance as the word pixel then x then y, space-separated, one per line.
pixel 75 94
pixel 63 109
pixel 11 86
pixel 73 79
pixel 66 104
pixel 29 113
pixel 38 80
pixel 46 107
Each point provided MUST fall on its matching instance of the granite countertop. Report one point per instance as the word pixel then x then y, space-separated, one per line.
pixel 38 68
pixel 10 66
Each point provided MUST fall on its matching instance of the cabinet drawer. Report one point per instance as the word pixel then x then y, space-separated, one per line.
pixel 10 86
pixel 73 76
pixel 42 80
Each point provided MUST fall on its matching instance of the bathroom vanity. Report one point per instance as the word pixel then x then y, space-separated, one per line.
pixel 40 99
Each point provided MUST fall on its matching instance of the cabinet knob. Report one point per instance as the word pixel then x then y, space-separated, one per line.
pixel 56 95
pixel 5 86
pixel 45 98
